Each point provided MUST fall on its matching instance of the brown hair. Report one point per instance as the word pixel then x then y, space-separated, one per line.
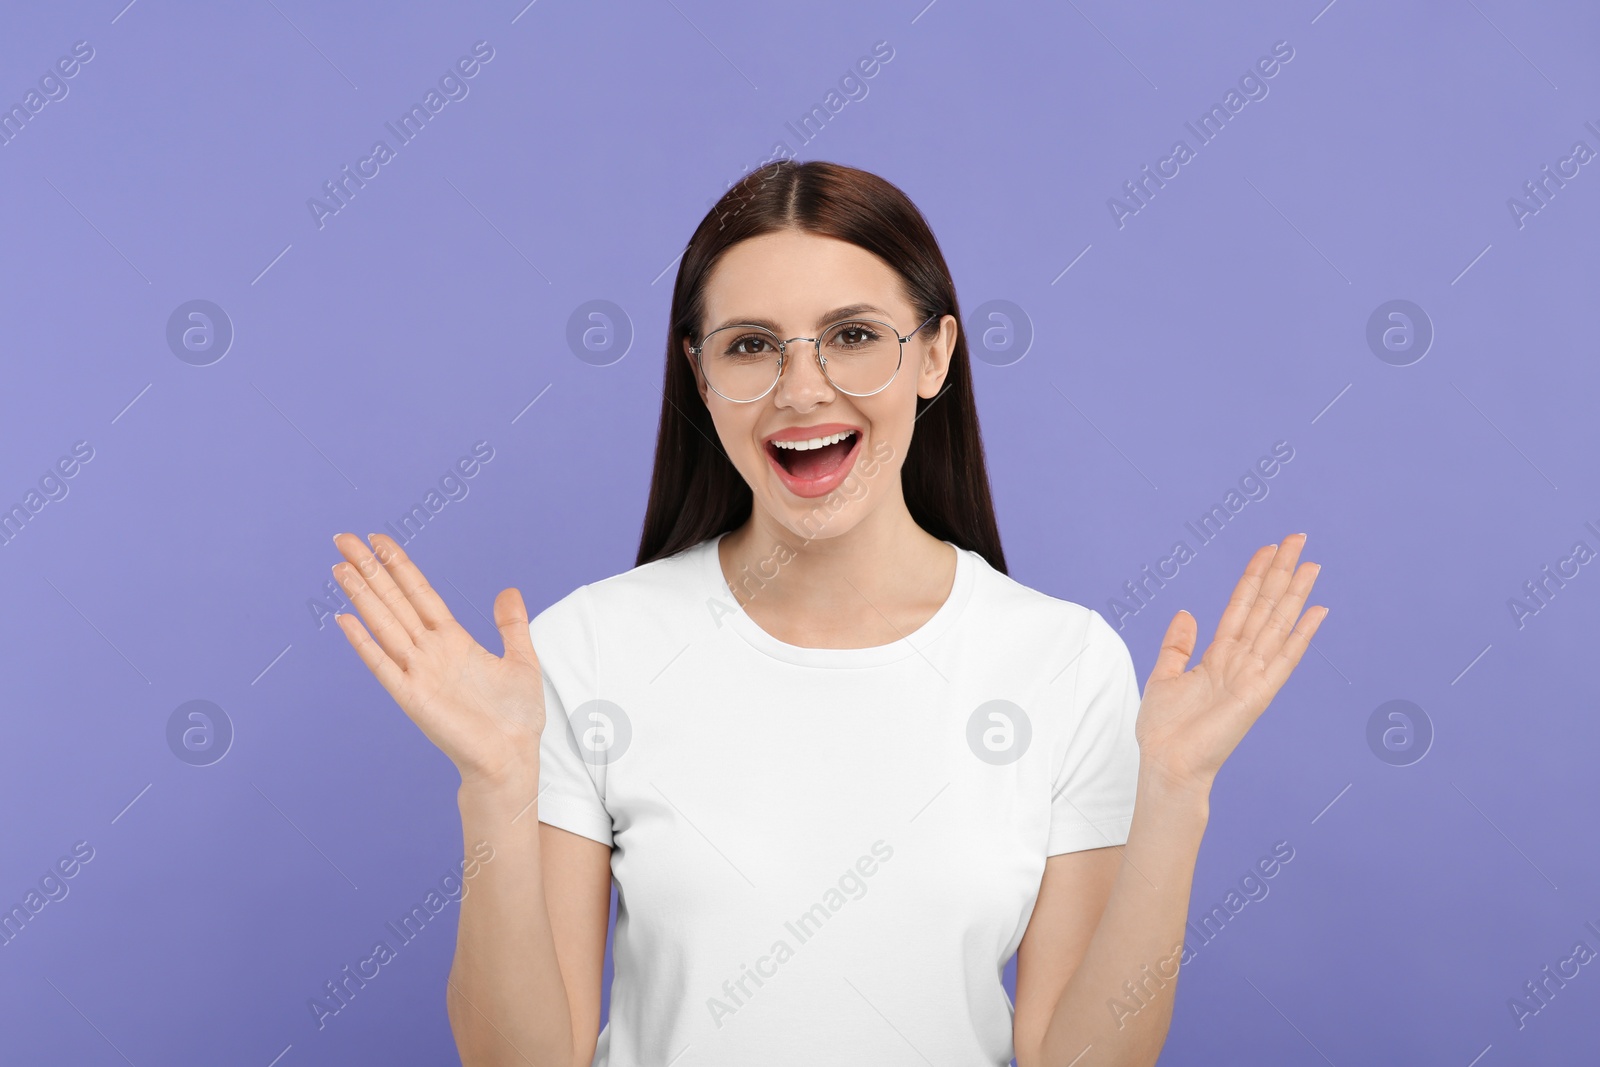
pixel 695 490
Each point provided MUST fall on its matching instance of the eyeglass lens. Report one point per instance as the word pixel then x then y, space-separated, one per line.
pixel 741 362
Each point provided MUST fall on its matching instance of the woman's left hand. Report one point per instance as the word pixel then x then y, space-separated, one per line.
pixel 1190 721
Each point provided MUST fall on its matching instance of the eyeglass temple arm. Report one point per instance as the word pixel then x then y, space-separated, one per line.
pixel 919 329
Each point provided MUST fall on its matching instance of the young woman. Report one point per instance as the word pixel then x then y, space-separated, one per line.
pixel 840 765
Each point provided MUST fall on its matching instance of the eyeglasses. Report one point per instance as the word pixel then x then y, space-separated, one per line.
pixel 858 357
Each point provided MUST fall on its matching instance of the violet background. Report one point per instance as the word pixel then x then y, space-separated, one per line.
pixel 1228 314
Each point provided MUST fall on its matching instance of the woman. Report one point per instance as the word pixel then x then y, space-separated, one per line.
pixel 840 765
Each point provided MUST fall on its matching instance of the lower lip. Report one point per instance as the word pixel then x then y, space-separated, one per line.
pixel 815 487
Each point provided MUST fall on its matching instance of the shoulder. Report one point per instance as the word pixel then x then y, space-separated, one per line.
pixel 1037 618
pixel 1023 605
pixel 650 593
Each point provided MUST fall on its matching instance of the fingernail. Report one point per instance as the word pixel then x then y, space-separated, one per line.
pixel 372 538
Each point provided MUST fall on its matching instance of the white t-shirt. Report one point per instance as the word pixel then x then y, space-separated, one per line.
pixel 826 856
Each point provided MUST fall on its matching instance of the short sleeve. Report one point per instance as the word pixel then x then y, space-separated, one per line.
pixel 1096 776
pixel 571 792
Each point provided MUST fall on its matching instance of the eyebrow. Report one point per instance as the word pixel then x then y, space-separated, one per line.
pixel 825 319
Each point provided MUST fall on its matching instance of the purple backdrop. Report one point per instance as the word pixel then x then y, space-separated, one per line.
pixel 1378 258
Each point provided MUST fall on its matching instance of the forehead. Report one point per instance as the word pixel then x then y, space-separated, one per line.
pixel 793 279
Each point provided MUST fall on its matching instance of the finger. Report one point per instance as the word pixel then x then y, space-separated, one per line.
pixel 429 606
pixel 1283 617
pixel 381 582
pixel 1244 595
pixel 1176 647
pixel 388 632
pixel 1299 640
pixel 386 670
pixel 511 619
pixel 1272 587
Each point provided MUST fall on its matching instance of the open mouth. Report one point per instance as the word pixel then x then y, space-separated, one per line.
pixel 813 460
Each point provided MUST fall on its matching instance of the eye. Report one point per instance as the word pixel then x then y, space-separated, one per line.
pixel 854 335
pixel 749 345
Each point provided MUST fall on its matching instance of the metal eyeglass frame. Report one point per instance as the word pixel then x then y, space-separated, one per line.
pixel 816 348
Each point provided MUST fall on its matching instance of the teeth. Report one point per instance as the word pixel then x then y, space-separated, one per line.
pixel 815 442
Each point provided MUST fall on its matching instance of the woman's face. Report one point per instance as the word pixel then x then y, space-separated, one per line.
pixel 796 284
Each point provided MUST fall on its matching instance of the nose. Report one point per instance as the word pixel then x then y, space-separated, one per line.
pixel 802 384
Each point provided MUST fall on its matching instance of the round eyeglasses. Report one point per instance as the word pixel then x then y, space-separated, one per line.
pixel 858 357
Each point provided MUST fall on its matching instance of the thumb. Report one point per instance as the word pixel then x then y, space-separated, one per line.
pixel 1176 647
pixel 511 619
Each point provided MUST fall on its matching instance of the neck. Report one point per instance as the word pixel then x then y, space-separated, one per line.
pixel 879 555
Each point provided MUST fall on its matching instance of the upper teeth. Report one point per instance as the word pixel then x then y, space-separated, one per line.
pixel 815 442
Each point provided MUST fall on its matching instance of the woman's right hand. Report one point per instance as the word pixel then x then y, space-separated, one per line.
pixel 485 712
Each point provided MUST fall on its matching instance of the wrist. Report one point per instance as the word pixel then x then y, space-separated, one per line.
pixel 508 761
pixel 1171 792
pixel 516 782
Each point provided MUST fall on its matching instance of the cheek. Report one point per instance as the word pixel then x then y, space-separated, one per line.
pixel 736 433
pixel 890 427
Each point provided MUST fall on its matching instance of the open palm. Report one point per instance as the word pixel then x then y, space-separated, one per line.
pixel 1191 720
pixel 484 711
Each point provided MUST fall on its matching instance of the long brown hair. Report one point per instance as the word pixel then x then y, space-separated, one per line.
pixel 695 490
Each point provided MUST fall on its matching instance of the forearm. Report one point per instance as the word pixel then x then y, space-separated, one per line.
pixel 1118 1003
pixel 507 1001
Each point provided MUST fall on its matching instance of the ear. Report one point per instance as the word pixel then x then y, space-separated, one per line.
pixel 936 360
